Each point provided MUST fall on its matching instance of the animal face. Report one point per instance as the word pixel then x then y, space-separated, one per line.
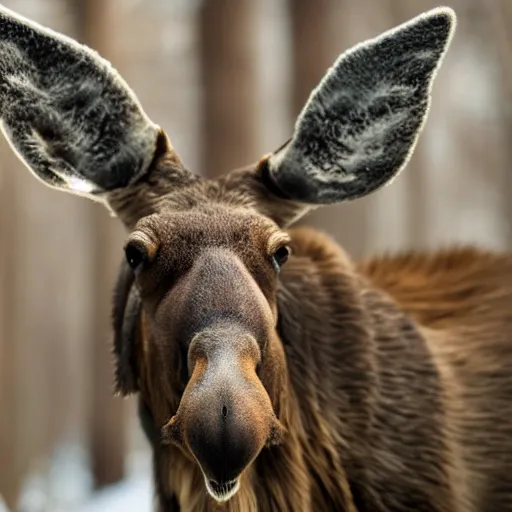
pixel 207 279
pixel 195 309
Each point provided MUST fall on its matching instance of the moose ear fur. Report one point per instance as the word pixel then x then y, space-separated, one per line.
pixel 360 125
pixel 67 113
pixel 127 309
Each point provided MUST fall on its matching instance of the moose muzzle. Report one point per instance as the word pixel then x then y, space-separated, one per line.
pixel 225 416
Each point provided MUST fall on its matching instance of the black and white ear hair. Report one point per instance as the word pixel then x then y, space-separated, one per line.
pixel 67 113
pixel 360 125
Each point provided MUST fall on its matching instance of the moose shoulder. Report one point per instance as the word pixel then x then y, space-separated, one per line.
pixel 273 372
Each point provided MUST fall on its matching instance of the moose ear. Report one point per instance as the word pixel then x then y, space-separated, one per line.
pixel 360 125
pixel 67 113
pixel 127 309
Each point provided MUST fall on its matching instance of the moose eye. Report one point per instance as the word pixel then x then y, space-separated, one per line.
pixel 136 255
pixel 280 256
pixel 141 248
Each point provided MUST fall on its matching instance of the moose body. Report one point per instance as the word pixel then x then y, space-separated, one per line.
pixel 398 394
pixel 274 373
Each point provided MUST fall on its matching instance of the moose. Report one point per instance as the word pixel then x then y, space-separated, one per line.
pixel 273 372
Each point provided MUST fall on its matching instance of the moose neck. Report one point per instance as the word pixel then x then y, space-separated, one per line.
pixel 369 389
pixel 328 335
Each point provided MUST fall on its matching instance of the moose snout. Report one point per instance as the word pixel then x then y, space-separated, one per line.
pixel 225 416
pixel 224 440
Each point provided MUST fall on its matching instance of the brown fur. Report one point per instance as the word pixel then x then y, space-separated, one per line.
pixel 394 394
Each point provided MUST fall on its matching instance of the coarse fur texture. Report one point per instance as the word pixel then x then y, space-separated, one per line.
pixel 86 134
pixel 361 123
pixel 270 381
pixel 398 392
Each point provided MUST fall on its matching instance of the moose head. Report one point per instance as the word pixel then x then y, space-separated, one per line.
pixel 196 308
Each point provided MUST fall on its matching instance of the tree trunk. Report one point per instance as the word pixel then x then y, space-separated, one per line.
pixel 228 66
pixel 108 433
pixel 498 33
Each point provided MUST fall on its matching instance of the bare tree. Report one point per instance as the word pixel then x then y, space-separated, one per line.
pixel 229 84
pixel 500 21
pixel 11 474
pixel 107 427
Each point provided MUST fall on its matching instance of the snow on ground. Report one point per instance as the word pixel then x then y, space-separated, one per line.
pixel 132 494
pixel 65 485
pixel 3 506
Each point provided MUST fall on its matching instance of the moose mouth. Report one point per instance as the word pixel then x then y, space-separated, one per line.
pixel 223 491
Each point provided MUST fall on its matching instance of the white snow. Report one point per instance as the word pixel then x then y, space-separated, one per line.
pixel 132 494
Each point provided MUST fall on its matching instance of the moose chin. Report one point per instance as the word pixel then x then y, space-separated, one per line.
pixel 273 372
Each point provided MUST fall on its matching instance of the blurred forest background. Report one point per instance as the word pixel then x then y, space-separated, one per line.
pixel 225 78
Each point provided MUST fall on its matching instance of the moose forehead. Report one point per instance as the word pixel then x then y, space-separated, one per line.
pixel 212 263
pixel 182 238
pixel 180 234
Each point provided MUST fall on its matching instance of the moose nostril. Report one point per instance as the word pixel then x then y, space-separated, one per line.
pixel 223 443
